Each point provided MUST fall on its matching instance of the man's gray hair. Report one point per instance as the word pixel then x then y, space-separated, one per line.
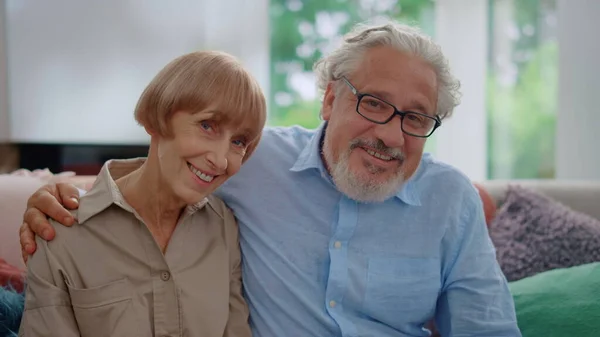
pixel 344 60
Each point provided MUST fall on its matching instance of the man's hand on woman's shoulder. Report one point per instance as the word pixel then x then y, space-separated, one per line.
pixel 52 201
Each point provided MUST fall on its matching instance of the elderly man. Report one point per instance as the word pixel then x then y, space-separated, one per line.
pixel 350 230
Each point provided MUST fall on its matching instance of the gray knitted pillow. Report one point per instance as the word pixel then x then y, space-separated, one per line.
pixel 533 233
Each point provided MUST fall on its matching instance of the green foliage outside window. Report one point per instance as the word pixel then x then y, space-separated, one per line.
pixel 301 31
pixel 521 92
pixel 521 98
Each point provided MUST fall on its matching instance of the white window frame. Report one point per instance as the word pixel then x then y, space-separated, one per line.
pixel 578 116
pixel 462 31
pixel 4 118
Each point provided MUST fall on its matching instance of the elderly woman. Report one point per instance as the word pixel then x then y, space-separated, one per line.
pixel 154 254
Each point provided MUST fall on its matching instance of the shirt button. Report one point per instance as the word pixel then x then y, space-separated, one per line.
pixel 165 276
pixel 332 304
pixel 337 245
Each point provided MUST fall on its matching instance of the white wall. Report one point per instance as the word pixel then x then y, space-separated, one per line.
pixel 243 32
pixel 578 120
pixel 76 67
pixel 4 121
pixel 461 30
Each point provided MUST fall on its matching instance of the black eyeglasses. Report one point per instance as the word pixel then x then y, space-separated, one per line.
pixel 378 111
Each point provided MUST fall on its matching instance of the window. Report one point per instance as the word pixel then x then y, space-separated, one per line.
pixel 302 31
pixel 522 89
pixel 521 75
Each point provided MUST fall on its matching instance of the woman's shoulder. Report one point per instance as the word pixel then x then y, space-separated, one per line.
pixel 63 234
pixel 89 223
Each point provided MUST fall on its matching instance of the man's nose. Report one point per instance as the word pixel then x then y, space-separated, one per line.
pixel 391 133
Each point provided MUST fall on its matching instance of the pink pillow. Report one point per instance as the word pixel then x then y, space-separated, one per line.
pixel 11 276
pixel 489 204
pixel 15 189
pixel 14 192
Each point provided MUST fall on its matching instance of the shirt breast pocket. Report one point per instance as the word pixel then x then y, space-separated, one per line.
pixel 402 289
pixel 105 310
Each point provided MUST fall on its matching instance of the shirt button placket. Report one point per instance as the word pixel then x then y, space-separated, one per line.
pixel 339 263
pixel 337 245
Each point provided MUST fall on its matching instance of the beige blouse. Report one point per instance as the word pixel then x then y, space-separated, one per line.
pixel 107 276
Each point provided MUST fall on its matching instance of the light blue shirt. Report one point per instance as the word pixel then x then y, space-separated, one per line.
pixel 318 264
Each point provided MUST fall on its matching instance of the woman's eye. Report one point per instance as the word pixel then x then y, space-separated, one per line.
pixel 239 143
pixel 205 125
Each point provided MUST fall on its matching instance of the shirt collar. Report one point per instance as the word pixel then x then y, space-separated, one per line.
pixel 409 194
pixel 105 192
pixel 310 158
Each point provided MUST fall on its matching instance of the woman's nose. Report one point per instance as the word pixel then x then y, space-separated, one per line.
pixel 217 158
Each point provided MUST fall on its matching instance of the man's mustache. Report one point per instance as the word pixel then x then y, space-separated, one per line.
pixel 378 145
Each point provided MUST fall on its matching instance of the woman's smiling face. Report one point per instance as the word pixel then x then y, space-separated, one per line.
pixel 203 152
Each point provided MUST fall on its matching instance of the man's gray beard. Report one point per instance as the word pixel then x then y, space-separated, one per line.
pixel 352 185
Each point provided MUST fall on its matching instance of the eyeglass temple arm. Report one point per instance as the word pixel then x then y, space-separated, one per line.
pixel 352 88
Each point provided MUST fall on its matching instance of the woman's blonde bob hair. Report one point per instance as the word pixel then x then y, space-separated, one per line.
pixel 202 81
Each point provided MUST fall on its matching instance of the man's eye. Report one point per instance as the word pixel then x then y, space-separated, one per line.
pixel 415 118
pixel 373 103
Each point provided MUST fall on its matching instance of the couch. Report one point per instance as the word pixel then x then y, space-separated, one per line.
pixel 15 189
pixel 550 253
pixel 582 196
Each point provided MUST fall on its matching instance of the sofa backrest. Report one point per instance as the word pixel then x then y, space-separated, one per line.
pixel 14 192
pixel 582 196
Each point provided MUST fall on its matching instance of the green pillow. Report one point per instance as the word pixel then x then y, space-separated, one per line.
pixel 559 303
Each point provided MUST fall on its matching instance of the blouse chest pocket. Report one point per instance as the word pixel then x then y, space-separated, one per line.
pixel 402 289
pixel 105 310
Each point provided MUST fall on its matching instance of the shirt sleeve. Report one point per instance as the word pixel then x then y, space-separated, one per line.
pixel 475 298
pixel 237 324
pixel 48 311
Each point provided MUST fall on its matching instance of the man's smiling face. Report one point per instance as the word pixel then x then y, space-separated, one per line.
pixel 368 161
